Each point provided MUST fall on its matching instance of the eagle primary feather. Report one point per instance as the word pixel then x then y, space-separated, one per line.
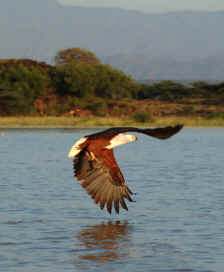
pixel 95 165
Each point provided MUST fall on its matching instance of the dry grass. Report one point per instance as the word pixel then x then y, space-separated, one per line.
pixel 189 121
pixel 62 121
pixel 191 113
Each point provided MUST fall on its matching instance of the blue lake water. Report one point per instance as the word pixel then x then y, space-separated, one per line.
pixel 49 223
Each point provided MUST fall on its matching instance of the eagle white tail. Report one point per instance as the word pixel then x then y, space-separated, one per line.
pixel 76 148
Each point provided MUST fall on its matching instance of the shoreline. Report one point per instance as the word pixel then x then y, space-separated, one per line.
pixel 98 122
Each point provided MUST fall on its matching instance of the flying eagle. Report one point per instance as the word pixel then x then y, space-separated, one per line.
pixel 95 165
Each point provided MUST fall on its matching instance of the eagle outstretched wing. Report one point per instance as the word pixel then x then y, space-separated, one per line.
pixel 159 133
pixel 102 179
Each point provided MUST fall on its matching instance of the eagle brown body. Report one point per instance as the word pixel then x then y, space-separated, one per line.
pixel 95 164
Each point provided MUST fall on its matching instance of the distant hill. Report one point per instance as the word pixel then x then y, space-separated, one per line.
pixel 171 45
pixel 143 67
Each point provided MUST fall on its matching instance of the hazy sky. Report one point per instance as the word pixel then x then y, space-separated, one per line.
pixel 151 5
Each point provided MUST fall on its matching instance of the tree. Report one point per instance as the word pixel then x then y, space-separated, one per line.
pixel 112 83
pixel 7 99
pixel 22 86
pixel 76 55
pixel 75 79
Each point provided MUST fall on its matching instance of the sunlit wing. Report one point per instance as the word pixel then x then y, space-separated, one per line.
pixel 104 185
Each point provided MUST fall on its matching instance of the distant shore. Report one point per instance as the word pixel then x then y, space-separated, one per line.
pixel 50 121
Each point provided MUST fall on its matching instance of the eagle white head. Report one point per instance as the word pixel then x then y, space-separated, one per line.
pixel 121 139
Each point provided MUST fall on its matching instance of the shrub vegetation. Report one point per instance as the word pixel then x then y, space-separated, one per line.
pixel 78 81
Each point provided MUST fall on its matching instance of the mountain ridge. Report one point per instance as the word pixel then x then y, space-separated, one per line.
pixel 38 29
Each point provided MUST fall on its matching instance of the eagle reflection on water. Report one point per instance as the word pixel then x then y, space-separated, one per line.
pixel 105 242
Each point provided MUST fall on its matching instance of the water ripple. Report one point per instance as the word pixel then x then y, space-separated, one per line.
pixel 48 222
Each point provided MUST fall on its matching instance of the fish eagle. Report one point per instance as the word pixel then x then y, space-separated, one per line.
pixel 95 165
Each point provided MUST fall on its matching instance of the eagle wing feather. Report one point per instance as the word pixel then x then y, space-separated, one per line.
pixel 104 185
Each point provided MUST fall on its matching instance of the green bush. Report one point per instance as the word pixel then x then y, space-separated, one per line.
pixel 82 80
pixel 97 106
pixel 165 90
pixel 214 115
pixel 77 80
pixel 25 86
pixel 142 117
pixel 112 83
